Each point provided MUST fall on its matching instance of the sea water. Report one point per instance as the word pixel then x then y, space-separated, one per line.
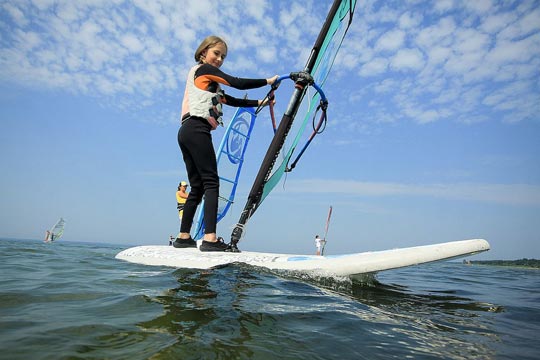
pixel 70 300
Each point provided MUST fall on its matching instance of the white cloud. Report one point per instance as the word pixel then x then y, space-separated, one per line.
pixel 515 51
pixel 495 23
pixel 256 8
pixel 530 22
pixel 386 86
pixel 457 56
pixel 407 59
pixel 470 41
pixel 409 20
pixel 439 34
pixel 68 11
pixel 155 11
pixel 444 5
pixel 428 116
pixel 374 67
pixel 266 54
pixel 436 53
pixel 16 14
pixel 27 40
pixel 132 43
pixel 390 41
pixel 386 14
pixel 479 6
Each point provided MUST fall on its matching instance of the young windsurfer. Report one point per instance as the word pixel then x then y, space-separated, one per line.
pixel 201 113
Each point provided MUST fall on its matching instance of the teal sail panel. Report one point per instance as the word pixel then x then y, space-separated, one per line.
pixel 323 63
pixel 318 66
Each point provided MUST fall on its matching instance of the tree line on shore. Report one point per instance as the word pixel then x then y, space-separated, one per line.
pixel 531 263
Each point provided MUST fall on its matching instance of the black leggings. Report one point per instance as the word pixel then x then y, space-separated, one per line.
pixel 197 149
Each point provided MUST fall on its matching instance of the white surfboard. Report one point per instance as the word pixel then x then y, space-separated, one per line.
pixel 330 265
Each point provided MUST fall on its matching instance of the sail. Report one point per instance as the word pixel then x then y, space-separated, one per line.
pixel 323 63
pixel 57 230
pixel 318 66
pixel 230 158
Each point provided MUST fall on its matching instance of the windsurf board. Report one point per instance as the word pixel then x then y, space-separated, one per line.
pixel 328 265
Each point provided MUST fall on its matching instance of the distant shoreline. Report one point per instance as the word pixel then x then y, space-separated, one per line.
pixel 525 263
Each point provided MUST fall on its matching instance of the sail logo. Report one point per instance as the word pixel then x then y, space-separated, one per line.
pixel 237 138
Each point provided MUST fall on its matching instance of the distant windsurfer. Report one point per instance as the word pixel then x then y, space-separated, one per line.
pixel 319 243
pixel 201 113
pixel 49 236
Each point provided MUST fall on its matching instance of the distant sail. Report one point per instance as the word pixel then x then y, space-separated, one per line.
pixel 230 158
pixel 326 229
pixel 56 231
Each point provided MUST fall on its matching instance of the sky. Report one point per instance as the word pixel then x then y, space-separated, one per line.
pixel 432 133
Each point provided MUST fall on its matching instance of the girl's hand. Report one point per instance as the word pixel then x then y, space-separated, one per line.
pixel 272 80
pixel 265 102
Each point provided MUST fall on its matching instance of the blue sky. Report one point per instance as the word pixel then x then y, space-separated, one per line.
pixel 432 134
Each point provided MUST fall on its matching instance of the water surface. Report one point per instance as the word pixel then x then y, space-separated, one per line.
pixel 71 300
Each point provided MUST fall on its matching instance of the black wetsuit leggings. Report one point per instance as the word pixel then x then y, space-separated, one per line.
pixel 197 149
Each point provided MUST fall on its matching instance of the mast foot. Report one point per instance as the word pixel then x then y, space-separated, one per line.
pixel 233 248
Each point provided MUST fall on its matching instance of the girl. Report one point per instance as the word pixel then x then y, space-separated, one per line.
pixel 201 113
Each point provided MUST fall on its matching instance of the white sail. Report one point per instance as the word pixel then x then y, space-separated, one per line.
pixel 56 231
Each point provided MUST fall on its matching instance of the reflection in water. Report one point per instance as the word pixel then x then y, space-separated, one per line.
pixel 184 305
pixel 243 312
pixel 205 313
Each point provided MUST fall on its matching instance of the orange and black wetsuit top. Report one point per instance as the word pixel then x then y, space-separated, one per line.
pixel 203 84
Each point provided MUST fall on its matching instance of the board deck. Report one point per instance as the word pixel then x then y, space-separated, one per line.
pixel 329 265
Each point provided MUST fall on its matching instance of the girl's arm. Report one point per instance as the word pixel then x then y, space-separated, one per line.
pixel 236 102
pixel 206 74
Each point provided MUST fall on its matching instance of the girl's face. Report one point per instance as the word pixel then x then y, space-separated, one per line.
pixel 215 55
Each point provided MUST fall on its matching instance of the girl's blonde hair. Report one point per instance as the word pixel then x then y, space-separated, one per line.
pixel 206 44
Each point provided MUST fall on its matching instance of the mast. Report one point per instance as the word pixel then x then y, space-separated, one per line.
pixel 301 85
